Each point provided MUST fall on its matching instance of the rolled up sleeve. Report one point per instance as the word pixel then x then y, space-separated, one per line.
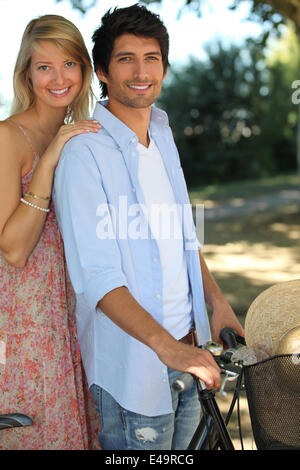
pixel 94 262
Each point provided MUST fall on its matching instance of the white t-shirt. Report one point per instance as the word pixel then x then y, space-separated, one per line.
pixel 166 227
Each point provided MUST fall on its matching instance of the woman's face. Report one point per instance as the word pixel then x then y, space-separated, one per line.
pixel 56 78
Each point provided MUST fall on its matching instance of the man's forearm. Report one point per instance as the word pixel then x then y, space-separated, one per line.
pixel 122 308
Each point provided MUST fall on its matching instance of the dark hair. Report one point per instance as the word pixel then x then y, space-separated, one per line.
pixel 136 20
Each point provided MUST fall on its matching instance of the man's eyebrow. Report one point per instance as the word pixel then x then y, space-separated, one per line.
pixel 158 53
pixel 125 53
pixel 121 53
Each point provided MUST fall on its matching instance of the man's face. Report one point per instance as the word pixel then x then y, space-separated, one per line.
pixel 135 72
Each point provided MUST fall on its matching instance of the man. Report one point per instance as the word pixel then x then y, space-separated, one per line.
pixel 138 283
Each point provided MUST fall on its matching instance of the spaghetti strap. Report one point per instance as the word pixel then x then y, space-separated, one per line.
pixel 26 137
pixel 36 157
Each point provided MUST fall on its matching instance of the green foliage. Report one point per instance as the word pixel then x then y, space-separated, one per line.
pixel 82 5
pixel 232 115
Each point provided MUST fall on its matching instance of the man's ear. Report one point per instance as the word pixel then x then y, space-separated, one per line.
pixel 101 76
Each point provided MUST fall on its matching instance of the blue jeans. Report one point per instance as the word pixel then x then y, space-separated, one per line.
pixel 124 430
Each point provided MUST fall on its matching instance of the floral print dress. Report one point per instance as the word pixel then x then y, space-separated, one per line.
pixel 40 366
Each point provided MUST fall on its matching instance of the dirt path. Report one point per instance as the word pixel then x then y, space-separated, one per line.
pixel 239 207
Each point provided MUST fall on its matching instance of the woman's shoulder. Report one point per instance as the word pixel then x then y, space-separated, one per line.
pixel 6 125
pixel 9 128
pixel 11 141
pixel 14 128
pixel 8 135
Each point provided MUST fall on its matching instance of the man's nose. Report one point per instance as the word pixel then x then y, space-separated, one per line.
pixel 141 70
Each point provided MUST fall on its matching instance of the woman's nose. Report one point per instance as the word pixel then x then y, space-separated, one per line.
pixel 58 77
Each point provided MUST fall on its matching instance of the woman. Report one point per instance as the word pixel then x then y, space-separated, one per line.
pixel 40 368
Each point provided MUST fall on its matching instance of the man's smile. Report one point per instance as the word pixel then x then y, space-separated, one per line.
pixel 140 86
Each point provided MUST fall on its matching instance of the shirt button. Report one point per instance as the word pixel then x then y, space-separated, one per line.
pixel 155 260
pixel 158 296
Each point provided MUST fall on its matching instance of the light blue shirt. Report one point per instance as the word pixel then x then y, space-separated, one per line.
pixel 99 206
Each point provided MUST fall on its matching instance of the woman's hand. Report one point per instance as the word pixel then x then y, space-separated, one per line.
pixel 65 133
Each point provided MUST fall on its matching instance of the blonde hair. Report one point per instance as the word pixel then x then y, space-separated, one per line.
pixel 66 36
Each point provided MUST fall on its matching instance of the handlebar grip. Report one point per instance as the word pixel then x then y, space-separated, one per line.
pixel 228 336
pixel 183 382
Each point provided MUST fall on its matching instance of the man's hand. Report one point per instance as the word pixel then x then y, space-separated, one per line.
pixel 185 358
pixel 223 316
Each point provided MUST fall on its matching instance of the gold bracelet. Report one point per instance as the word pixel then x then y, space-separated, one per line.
pixel 35 196
pixel 34 206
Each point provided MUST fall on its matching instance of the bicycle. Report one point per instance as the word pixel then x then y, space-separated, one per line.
pixel 212 432
pixel 207 397
pixel 212 429
pixel 13 420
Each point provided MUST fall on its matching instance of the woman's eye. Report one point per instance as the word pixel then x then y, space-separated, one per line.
pixel 70 64
pixel 43 67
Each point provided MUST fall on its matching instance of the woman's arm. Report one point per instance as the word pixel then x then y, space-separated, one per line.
pixel 21 225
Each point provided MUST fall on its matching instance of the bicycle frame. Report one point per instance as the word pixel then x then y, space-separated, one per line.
pixel 211 433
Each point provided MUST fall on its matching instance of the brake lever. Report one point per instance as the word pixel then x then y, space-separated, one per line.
pixel 229 377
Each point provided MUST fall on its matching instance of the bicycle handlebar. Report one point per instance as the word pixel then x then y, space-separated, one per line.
pixel 231 339
pixel 13 420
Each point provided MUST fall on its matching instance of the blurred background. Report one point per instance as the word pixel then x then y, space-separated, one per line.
pixel 233 104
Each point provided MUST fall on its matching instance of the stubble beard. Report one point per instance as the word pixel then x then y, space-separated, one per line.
pixel 139 102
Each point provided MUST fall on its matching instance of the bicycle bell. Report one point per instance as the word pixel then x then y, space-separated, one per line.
pixel 215 348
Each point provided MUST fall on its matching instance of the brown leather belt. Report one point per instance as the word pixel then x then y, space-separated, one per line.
pixel 189 338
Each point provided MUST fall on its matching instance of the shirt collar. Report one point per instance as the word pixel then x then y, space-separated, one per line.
pixel 117 129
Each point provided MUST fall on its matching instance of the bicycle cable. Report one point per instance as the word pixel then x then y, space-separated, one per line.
pixel 239 386
pixel 236 399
